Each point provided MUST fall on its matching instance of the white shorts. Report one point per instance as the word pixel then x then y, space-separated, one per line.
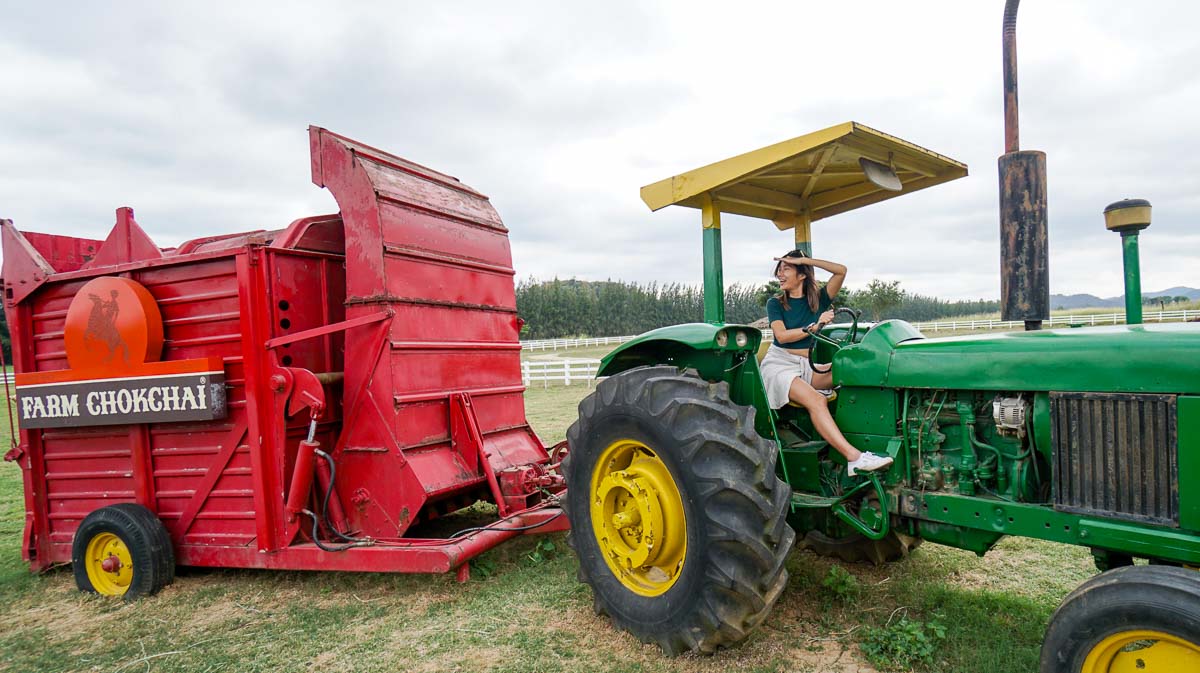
pixel 779 368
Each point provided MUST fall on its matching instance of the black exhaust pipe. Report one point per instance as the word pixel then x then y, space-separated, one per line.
pixel 1024 248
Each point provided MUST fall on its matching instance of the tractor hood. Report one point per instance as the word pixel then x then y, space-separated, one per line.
pixel 1160 358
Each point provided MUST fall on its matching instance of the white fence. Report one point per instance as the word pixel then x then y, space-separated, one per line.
pixel 560 370
pixel 555 344
pixel 1061 320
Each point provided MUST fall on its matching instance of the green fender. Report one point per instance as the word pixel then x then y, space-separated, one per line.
pixel 699 346
pixel 688 345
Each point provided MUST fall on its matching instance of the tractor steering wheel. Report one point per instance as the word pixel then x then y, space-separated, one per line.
pixel 851 335
pixel 838 344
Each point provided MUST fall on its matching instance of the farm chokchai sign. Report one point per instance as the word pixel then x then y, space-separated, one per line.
pixel 113 337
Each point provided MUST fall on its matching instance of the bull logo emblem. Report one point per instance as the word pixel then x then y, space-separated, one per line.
pixel 113 327
pixel 102 326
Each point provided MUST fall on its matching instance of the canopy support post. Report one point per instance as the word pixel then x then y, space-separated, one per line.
pixel 803 232
pixel 714 281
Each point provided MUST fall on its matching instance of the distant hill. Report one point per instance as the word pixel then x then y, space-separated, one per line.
pixel 1069 301
pixel 1180 291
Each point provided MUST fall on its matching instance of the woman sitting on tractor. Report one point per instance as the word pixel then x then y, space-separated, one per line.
pixel 800 310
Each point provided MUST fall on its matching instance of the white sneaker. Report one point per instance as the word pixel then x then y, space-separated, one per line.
pixel 868 462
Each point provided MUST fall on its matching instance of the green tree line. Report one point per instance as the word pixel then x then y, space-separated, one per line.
pixel 566 308
pixel 881 300
pixel 572 308
pixel 1163 300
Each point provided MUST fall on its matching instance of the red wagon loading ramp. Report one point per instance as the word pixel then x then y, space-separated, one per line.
pixel 386 334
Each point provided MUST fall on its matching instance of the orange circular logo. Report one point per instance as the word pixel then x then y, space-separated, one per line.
pixel 113 323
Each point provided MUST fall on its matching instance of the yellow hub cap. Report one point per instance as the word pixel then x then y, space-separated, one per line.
pixel 1142 652
pixel 109 565
pixel 637 516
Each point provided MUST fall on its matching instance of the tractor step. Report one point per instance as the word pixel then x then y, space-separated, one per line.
pixel 807 501
pixel 814 446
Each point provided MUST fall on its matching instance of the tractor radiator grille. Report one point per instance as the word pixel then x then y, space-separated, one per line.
pixel 1115 455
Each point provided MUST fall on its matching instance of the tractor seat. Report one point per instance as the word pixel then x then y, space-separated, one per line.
pixel 762 350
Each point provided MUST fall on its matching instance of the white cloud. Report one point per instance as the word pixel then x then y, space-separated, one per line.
pixel 560 112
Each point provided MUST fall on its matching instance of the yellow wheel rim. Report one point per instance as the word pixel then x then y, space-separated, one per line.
pixel 1142 651
pixel 109 564
pixel 637 516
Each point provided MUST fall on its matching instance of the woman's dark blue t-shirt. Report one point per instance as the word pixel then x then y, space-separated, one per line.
pixel 799 314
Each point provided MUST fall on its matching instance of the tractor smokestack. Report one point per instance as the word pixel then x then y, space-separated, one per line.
pixel 1012 126
pixel 1024 249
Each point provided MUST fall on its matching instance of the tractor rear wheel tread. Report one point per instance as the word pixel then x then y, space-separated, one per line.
pixel 737 535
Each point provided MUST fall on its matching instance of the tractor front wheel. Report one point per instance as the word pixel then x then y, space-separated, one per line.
pixel 1135 618
pixel 677 517
pixel 122 550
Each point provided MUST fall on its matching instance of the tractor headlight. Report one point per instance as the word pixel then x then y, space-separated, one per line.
pixel 741 339
pixel 722 338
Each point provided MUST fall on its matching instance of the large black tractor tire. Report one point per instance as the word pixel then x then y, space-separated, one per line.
pixel 122 550
pixel 677 517
pixel 1144 618
pixel 855 548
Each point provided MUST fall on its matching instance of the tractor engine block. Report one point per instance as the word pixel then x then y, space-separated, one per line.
pixel 973 442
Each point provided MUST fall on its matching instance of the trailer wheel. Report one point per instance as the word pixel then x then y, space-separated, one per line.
pixel 122 550
pixel 1136 618
pixel 677 517
pixel 855 548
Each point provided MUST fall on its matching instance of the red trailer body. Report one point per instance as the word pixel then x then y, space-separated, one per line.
pixel 392 326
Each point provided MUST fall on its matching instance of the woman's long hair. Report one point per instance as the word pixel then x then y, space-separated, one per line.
pixel 812 294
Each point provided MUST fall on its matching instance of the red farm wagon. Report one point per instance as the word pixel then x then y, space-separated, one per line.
pixel 303 398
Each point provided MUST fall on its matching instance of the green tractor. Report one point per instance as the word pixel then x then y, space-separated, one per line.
pixel 687 491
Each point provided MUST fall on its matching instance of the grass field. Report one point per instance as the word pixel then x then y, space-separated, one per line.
pixel 523 615
pixel 596 352
pixel 1097 310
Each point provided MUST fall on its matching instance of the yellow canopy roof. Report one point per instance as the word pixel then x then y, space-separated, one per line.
pixel 819 173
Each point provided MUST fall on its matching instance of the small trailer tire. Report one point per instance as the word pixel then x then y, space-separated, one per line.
pixel 122 550
pixel 677 517
pixel 1130 618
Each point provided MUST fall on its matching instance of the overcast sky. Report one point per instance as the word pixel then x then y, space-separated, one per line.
pixel 560 111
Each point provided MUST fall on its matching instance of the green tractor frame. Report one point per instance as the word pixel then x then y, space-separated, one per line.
pixel 687 491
